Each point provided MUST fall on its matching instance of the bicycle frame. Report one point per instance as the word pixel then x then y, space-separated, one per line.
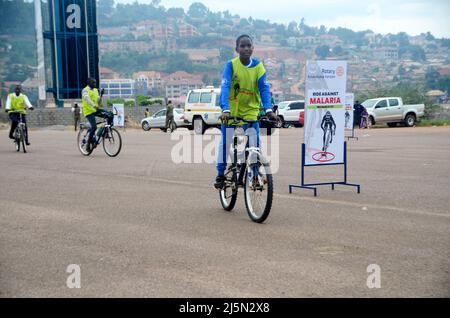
pixel 104 124
pixel 251 155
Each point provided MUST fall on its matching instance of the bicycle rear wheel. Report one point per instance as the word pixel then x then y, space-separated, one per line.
pixel 112 142
pixel 82 140
pixel 228 195
pixel 258 191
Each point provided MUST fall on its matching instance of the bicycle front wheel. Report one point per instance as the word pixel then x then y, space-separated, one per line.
pixel 82 140
pixel 228 195
pixel 258 191
pixel 22 139
pixel 112 142
pixel 17 139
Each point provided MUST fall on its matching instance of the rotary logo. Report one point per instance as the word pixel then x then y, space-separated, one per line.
pixel 340 71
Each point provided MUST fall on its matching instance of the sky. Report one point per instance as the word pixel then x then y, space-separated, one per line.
pixel 380 16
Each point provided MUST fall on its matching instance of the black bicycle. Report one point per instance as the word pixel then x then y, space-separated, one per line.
pixel 250 170
pixel 20 134
pixel 112 141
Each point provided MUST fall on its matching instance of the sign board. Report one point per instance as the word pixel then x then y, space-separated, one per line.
pixel 349 118
pixel 119 115
pixel 326 83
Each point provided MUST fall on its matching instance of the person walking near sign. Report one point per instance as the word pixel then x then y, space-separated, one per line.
pixel 169 117
pixel 365 121
pixel 76 115
pixel 16 105
pixel 357 110
pixel 91 109
pixel 147 113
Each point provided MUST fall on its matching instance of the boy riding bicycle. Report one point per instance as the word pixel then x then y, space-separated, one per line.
pixel 244 86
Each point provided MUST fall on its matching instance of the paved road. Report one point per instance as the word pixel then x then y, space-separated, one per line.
pixel 140 225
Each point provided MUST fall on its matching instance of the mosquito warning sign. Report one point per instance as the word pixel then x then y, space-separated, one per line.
pixel 119 115
pixel 326 83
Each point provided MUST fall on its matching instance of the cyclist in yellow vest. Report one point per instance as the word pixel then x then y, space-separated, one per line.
pixel 91 109
pixel 244 89
pixel 16 105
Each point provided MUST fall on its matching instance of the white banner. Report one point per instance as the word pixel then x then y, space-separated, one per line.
pixel 119 115
pixel 349 118
pixel 326 83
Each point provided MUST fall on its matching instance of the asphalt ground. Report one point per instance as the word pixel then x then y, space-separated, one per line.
pixel 139 225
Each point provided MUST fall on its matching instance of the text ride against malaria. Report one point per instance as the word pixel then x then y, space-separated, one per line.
pixel 324 99
pixel 326 83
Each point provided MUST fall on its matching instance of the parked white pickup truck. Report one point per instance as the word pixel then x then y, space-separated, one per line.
pixel 392 111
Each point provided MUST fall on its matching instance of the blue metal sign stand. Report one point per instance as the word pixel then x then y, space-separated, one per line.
pixel 353 135
pixel 313 186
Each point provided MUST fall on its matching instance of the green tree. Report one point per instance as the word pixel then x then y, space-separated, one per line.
pixel 175 12
pixel 429 36
pixel 105 7
pixel 226 53
pixel 143 100
pixel 444 83
pixel 179 62
pixel 323 51
pixel 198 10
pixel 338 50
pixel 432 78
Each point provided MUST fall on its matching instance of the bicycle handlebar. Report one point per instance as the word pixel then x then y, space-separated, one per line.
pixel 240 119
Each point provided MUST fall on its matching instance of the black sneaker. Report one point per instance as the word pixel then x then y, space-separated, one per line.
pixel 27 143
pixel 220 182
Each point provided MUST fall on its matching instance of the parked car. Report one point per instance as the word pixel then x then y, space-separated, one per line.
pixel 158 120
pixel 202 109
pixel 289 112
pixel 301 119
pixel 392 111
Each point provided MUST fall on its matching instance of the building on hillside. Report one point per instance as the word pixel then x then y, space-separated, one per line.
pixel 156 29
pixel 203 56
pixel 180 75
pixel 106 73
pixel 386 53
pixel 126 46
pixel 186 30
pixel 118 88
pixel 179 88
pixel 437 96
pixel 113 32
pixel 154 80
pixel 444 71
pixel 330 40
pixel 266 38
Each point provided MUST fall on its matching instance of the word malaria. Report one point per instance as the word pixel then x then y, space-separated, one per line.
pixel 324 100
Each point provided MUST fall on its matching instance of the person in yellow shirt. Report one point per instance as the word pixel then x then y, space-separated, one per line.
pixel 91 109
pixel 16 106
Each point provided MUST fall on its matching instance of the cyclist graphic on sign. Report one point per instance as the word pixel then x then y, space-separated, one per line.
pixel 347 119
pixel 329 129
